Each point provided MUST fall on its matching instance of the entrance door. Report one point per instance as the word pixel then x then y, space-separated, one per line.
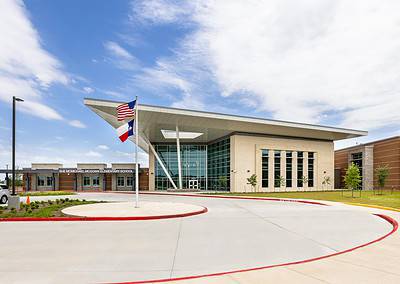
pixel 193 184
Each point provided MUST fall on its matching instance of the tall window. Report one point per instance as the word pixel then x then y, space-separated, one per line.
pixel 300 172
pixel 310 169
pixel 86 181
pixel 120 181
pixel 264 168
pixel 49 181
pixel 289 168
pixel 277 168
pixel 129 181
pixel 95 181
pixel 357 158
pixel 40 181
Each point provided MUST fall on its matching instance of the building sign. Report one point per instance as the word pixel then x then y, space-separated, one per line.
pixel 95 171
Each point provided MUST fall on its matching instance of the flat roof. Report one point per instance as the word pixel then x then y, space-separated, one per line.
pixel 153 119
pixel 394 138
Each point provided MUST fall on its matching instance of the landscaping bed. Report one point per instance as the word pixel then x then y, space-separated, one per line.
pixel 43 209
pixel 46 193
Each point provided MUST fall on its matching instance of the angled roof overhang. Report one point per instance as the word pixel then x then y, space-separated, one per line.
pixel 153 119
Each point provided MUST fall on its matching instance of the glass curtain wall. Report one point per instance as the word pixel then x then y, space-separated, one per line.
pixel 218 159
pixel 193 159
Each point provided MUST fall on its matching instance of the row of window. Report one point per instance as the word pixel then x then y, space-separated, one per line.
pixel 44 181
pixel 95 181
pixel 87 181
pixel 278 175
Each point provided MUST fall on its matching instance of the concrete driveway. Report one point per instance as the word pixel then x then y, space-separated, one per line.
pixel 233 235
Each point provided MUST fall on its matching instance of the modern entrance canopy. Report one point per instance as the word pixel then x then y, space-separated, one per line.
pixel 159 125
pixel 156 121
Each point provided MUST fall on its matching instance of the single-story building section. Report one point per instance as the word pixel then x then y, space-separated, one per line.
pixel 85 177
pixel 368 157
pixel 191 149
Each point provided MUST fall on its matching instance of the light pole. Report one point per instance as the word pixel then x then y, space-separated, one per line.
pixel 15 99
pixel 7 180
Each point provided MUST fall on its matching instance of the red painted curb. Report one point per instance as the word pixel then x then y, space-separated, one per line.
pixel 68 219
pixel 387 218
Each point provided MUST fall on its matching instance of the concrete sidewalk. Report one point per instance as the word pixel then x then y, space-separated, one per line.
pixel 376 263
pixel 235 234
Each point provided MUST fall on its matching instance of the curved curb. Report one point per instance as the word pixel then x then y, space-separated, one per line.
pixel 232 197
pixel 68 219
pixel 385 217
pixel 373 206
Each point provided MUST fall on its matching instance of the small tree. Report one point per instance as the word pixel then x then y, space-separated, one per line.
pixel 304 180
pixel 352 178
pixel 326 182
pixel 282 182
pixel 382 172
pixel 252 180
pixel 222 180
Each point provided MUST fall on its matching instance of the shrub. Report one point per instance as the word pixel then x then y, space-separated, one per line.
pixel 352 178
pixel 29 211
pixel 13 210
pixel 382 172
pixel 252 180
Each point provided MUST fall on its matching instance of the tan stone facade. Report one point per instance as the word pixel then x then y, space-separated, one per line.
pixel 246 160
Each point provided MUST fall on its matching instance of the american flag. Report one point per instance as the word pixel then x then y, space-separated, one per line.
pixel 126 110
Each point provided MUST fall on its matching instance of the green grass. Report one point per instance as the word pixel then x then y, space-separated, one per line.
pixel 43 208
pixel 387 198
pixel 46 193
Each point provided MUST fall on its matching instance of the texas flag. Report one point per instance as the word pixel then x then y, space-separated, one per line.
pixel 126 130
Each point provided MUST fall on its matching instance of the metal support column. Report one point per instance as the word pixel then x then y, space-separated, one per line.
pixel 178 151
pixel 162 164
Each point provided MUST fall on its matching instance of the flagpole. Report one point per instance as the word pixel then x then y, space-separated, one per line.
pixel 136 153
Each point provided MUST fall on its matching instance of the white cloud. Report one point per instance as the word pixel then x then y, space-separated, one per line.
pixel 114 94
pixel 120 56
pixel 88 90
pixel 160 11
pixel 311 61
pixel 103 147
pixel 93 154
pixel 26 68
pixel 77 124
pixel 117 50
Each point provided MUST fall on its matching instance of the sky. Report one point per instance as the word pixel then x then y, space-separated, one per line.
pixel 333 63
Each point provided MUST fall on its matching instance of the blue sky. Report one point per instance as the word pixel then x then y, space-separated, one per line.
pixel 325 62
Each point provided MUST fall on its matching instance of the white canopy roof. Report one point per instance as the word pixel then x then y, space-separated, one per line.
pixel 153 119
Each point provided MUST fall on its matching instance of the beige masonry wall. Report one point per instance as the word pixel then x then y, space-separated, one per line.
pixel 152 173
pixel 246 160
